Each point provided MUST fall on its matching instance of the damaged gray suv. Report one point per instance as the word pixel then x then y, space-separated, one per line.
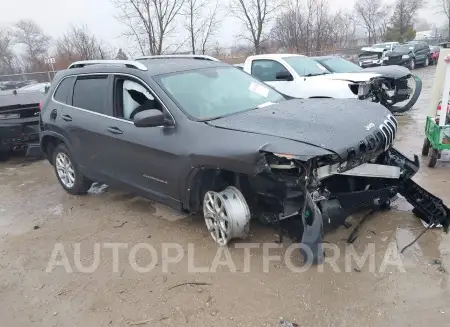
pixel 202 136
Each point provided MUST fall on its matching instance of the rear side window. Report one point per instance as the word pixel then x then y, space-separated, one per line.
pixel 91 93
pixel 63 90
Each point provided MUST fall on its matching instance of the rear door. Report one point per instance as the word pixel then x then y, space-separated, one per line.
pixel 86 119
pixel 420 53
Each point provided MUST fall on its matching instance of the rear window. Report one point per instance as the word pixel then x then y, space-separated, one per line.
pixel 63 90
pixel 91 93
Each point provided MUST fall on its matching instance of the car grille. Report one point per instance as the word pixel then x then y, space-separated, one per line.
pixel 373 144
pixel 393 60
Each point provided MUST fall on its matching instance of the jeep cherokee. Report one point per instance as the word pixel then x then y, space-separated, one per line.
pixel 201 136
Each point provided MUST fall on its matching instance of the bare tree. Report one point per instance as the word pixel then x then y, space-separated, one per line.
pixel 445 9
pixel 402 20
pixel 78 43
pixel 312 29
pixel 201 22
pixel 149 22
pixel 35 41
pixel 256 16
pixel 371 14
pixel 7 56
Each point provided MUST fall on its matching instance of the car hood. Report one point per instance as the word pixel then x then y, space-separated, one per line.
pixel 389 71
pixel 376 50
pixel 332 124
pixel 351 77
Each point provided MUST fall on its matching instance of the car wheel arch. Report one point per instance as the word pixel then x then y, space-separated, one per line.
pixel 203 179
pixel 49 141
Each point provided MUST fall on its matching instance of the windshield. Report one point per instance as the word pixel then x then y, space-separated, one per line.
pixel 403 48
pixel 305 66
pixel 340 65
pixel 211 93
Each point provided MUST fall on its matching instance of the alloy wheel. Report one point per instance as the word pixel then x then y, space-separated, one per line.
pixel 66 172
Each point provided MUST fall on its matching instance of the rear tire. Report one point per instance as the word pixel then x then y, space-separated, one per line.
pixel 68 173
pixel 427 62
pixel 426 147
pixel 433 158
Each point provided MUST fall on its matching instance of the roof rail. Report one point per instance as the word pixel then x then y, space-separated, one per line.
pixel 127 63
pixel 178 56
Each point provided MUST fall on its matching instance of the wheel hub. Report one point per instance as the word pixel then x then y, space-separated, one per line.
pixel 227 215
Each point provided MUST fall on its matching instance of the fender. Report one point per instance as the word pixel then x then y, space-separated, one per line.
pixel 45 134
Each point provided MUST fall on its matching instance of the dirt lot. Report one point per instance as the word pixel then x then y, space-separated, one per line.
pixel 35 214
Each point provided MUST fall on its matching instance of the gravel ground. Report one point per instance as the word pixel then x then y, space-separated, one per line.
pixel 39 220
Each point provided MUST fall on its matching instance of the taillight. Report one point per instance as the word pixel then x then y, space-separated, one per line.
pixel 40 105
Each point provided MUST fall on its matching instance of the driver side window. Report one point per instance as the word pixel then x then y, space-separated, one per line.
pixel 131 97
pixel 266 70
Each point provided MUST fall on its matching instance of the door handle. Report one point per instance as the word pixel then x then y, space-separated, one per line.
pixel 66 118
pixel 114 130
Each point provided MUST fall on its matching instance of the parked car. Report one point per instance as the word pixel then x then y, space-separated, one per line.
pixel 408 54
pixel 390 88
pixel 230 147
pixel 19 122
pixel 302 77
pixel 372 56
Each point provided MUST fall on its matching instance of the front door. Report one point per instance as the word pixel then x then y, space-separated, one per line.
pixel 266 71
pixel 140 157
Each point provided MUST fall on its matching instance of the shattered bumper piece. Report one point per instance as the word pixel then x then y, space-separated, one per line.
pixel 429 208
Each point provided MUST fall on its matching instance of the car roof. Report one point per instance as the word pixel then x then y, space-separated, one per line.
pixel 151 66
pixel 276 56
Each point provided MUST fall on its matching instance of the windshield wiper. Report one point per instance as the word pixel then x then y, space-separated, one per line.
pixel 316 74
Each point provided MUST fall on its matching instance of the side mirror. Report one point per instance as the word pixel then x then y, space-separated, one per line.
pixel 149 118
pixel 47 87
pixel 285 76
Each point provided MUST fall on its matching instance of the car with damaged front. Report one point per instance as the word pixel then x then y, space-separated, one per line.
pixel 19 122
pixel 231 148
pixel 373 56
pixel 396 87
pixel 299 76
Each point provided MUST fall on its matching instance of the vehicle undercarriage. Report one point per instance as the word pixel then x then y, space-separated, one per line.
pixel 306 198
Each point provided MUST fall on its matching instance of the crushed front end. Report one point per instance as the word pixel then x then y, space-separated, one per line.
pixel 305 198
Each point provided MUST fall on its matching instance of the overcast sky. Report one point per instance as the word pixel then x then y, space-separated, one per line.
pixel 55 15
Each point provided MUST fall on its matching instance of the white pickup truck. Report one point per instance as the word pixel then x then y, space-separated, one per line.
pixel 301 77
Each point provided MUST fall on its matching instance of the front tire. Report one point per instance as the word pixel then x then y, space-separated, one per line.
pixel 68 173
pixel 412 64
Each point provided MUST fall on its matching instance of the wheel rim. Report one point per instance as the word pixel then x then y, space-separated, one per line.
pixel 64 168
pixel 226 214
pixel 216 217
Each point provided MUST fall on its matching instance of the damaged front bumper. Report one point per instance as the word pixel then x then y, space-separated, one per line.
pixel 374 186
